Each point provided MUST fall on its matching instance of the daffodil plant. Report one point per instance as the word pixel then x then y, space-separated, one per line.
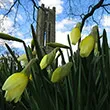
pixel 80 82
pixel 88 43
pixel 16 83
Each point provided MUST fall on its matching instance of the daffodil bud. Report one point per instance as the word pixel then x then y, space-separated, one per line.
pixel 75 34
pixel 48 58
pixel 86 46
pixel 61 72
pixel 14 86
pixel 9 37
pixel 54 45
pixel 23 60
pixel 94 32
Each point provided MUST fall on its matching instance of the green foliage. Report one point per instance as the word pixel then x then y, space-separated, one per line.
pixel 87 86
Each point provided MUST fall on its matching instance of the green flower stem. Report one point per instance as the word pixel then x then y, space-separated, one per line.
pixel 62 56
pixel 25 47
pixel 37 47
pixel 13 55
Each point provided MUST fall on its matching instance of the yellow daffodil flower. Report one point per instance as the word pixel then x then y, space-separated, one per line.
pixel 14 86
pixel 17 82
pixel 61 72
pixel 86 46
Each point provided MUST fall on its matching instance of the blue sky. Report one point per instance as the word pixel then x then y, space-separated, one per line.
pixel 64 22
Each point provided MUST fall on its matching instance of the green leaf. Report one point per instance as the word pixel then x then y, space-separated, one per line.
pixel 105 52
pixel 37 47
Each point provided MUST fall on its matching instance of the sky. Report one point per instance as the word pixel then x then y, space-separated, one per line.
pixel 64 22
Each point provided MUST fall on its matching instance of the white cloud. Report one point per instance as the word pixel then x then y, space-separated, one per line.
pixel 19 17
pixel 106 20
pixel 61 37
pixel 63 28
pixel 2 42
pixel 64 24
pixel 15 44
pixel 19 34
pixel 6 24
pixel 28 41
pixel 87 28
pixel 6 3
pixel 107 29
pixel 18 44
pixel 53 3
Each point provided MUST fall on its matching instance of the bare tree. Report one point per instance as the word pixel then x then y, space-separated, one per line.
pixel 84 10
pixel 17 9
pixel 89 10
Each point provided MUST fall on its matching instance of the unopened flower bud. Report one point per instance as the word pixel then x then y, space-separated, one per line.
pixel 61 72
pixel 54 45
pixel 86 46
pixel 9 37
pixel 23 60
pixel 48 58
pixel 75 34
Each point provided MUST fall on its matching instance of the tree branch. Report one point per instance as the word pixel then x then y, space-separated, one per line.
pixel 94 20
pixel 106 10
pixel 34 4
pixel 105 4
pixel 98 5
pixel 10 8
pixel 16 14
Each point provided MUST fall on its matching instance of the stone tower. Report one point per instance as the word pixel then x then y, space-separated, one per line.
pixel 45 28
